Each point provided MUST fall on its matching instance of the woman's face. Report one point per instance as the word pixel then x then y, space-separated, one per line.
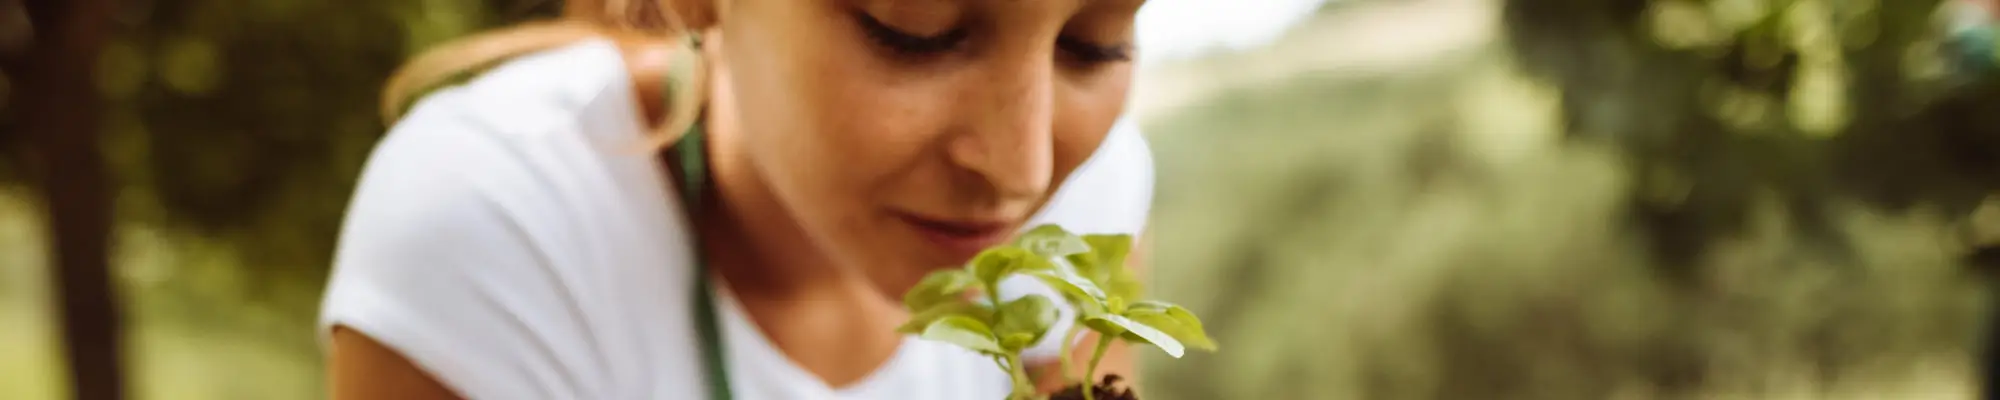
pixel 903 136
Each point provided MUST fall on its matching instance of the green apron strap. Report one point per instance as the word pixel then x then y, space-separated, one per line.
pixel 694 177
pixel 691 151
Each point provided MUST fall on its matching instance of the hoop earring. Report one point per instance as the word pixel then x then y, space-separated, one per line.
pixel 687 86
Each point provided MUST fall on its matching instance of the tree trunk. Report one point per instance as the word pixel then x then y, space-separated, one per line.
pixel 59 104
pixel 1989 374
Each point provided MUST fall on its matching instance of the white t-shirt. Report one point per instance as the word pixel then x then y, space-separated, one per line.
pixel 511 237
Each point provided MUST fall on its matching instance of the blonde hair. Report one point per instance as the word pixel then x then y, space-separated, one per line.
pixel 582 19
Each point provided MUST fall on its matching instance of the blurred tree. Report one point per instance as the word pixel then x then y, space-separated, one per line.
pixel 61 124
pixel 1813 101
pixel 1886 104
pixel 242 121
pixel 248 121
pixel 16 35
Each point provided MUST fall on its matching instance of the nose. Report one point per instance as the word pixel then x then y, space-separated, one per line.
pixel 1006 139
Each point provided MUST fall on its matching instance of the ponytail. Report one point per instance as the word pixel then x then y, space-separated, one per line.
pixel 458 59
pixel 454 60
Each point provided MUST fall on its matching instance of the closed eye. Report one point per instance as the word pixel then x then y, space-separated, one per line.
pixel 1086 53
pixel 908 44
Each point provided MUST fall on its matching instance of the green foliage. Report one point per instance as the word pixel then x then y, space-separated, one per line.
pixel 233 131
pixel 1050 242
pixel 1105 265
pixel 1021 322
pixel 1817 102
pixel 1113 325
pixel 248 121
pixel 995 264
pixel 945 308
pixel 966 332
pixel 921 319
pixel 940 288
pixel 1074 288
pixel 1435 226
pixel 1174 321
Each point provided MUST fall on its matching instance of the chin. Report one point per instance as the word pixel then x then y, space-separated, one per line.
pixel 903 260
pixel 895 283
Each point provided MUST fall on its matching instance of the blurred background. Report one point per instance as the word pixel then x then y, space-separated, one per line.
pixel 1366 199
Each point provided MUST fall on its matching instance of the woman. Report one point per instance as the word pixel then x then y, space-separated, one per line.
pixel 607 208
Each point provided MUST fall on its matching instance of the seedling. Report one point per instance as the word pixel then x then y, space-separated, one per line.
pixel 962 306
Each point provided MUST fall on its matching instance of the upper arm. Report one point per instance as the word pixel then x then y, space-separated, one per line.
pixel 361 368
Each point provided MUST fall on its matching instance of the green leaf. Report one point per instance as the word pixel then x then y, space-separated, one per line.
pixel 1051 241
pixel 1090 308
pixel 1073 287
pixel 1017 341
pixel 923 319
pixel 1031 315
pixel 939 287
pixel 993 265
pixel 964 332
pixel 1133 331
pixel 1105 250
pixel 1109 249
pixel 1103 326
pixel 1032 263
pixel 1174 321
pixel 1105 265
pixel 1123 285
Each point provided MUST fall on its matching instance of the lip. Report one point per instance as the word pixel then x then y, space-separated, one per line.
pixel 961 238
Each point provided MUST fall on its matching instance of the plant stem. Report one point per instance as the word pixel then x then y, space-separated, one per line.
pixel 1002 363
pixel 1090 373
pixel 1023 387
pixel 993 295
pixel 1068 346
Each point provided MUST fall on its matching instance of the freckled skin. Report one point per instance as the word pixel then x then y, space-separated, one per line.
pixel 840 134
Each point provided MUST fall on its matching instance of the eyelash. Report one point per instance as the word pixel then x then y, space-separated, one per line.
pixel 908 45
pixel 1093 54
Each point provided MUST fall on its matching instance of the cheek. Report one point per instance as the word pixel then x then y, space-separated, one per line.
pixel 1086 109
pixel 829 128
pixel 869 130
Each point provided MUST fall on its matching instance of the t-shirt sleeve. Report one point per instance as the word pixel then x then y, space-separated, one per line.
pixel 1111 193
pixel 431 264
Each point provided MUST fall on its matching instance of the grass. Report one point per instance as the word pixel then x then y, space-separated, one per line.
pixel 30 356
pixel 180 347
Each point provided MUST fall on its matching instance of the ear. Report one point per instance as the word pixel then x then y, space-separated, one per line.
pixel 697 14
pixel 670 83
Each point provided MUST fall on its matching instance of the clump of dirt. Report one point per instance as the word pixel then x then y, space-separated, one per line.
pixel 1106 390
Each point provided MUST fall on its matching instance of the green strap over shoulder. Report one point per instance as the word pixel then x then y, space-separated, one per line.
pixel 694 174
pixel 691 151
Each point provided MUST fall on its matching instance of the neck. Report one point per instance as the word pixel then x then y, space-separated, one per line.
pixel 828 320
pixel 753 243
pixel 752 239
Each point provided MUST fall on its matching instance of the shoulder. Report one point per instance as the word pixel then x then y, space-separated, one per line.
pixel 493 233
pixel 554 91
pixel 551 135
pixel 1112 192
pixel 536 144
